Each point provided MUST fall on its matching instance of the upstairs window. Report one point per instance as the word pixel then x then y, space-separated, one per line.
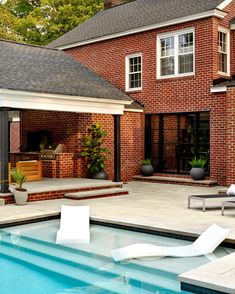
pixel 223 51
pixel 175 54
pixel 134 72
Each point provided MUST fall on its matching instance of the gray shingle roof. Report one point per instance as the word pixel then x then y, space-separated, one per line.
pixel 134 106
pixel 43 70
pixel 133 15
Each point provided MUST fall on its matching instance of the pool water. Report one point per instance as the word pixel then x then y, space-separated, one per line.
pixel 32 263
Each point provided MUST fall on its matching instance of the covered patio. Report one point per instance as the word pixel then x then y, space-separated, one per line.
pixel 40 80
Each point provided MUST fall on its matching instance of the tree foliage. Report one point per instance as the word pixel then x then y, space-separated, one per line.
pixel 42 21
pixel 8 24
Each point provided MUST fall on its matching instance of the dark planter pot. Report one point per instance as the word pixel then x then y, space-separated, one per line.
pixel 197 173
pixel 146 170
pixel 99 176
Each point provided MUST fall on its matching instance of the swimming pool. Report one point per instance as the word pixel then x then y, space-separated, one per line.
pixel 32 263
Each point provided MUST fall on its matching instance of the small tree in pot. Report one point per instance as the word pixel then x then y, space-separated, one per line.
pixel 146 167
pixel 94 152
pixel 20 193
pixel 197 171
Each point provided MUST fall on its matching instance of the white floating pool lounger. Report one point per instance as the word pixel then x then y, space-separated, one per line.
pixel 205 244
pixel 74 225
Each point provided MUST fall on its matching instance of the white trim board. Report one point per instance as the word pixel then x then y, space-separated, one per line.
pixel 218 89
pixel 213 12
pixel 232 26
pixel 53 102
pixel 133 110
pixel 224 4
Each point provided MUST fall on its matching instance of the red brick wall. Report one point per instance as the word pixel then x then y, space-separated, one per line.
pixel 65 165
pixel 14 136
pixel 49 169
pixel 185 94
pixel 70 128
pixel 230 140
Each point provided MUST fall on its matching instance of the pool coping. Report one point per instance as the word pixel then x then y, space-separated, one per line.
pixel 214 277
pixel 171 233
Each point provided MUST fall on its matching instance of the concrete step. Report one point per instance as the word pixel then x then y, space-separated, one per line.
pixel 176 180
pixel 97 193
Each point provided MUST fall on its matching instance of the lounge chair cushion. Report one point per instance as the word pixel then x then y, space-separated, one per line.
pixel 231 190
pixel 74 225
pixel 205 244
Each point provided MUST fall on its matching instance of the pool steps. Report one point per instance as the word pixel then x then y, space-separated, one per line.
pixel 47 256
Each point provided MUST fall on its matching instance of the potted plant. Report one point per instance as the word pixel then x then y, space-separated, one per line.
pixel 20 193
pixel 146 167
pixel 197 171
pixel 94 152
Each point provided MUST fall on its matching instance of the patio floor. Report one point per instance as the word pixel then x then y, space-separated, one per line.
pixel 51 184
pixel 161 207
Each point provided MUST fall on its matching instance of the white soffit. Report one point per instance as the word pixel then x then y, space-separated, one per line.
pixel 224 4
pixel 218 89
pixel 53 102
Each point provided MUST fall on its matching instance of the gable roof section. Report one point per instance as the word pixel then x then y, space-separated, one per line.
pixel 42 70
pixel 136 16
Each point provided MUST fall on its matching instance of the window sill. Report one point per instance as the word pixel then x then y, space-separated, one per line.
pixel 175 78
pixel 136 90
pixel 223 74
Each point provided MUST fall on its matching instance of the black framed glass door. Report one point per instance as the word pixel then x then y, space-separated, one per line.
pixel 172 140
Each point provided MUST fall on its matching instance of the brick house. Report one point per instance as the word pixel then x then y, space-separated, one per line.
pixel 176 58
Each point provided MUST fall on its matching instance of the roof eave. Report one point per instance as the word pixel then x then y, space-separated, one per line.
pixel 211 13
pixel 57 102
pixel 224 4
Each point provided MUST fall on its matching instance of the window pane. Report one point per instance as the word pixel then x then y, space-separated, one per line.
pixel 223 62
pixel 185 63
pixel 222 52
pixel 135 64
pixel 167 66
pixel 222 42
pixel 186 43
pixel 135 80
pixel 167 46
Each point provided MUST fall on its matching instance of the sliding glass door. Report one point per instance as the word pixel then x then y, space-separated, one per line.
pixel 172 140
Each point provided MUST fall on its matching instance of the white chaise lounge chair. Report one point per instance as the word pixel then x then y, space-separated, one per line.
pixel 74 225
pixel 205 244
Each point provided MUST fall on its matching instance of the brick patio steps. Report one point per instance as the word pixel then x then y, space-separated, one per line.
pixel 97 193
pixel 176 180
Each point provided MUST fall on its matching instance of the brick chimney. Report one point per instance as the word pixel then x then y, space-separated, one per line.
pixel 112 3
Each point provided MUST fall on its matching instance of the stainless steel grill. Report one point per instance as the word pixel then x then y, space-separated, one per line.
pixel 50 153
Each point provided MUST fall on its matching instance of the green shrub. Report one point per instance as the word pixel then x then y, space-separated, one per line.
pixel 198 162
pixel 93 151
pixel 19 177
pixel 146 162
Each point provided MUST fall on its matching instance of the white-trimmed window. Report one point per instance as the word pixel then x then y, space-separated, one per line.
pixel 175 52
pixel 134 72
pixel 223 51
